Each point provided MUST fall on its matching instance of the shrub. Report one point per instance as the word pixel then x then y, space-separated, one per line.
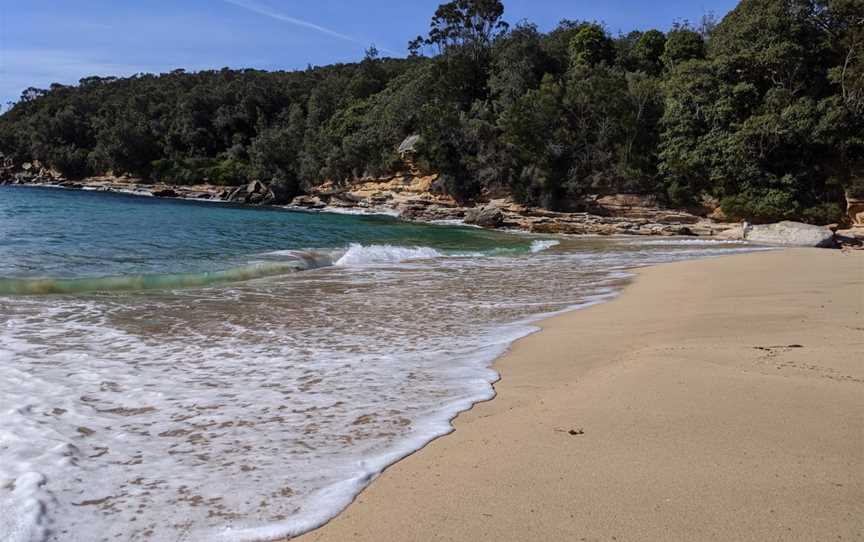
pixel 824 213
pixel 196 170
pixel 228 172
pixel 760 206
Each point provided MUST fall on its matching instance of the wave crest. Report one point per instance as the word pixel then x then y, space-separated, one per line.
pixel 540 246
pixel 290 262
pixel 358 254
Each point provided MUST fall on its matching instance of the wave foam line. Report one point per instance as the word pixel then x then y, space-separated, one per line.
pixel 145 282
pixel 355 255
pixel 328 502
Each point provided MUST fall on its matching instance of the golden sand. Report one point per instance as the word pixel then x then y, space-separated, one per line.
pixel 714 400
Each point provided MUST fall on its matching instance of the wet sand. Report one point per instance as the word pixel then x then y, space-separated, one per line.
pixel 718 399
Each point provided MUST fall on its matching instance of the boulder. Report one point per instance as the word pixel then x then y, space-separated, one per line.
pixel 22 178
pixel 238 195
pixel 850 238
pixel 735 233
pixel 486 217
pixel 282 192
pixel 792 234
pixel 408 146
pixel 255 193
pixel 165 193
pixel 265 197
pixel 852 233
pixel 308 202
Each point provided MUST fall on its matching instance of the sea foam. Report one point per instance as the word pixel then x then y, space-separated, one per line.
pixel 540 246
pixel 259 409
pixel 364 255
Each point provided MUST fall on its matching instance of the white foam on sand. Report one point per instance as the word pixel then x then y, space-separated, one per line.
pixel 257 410
pixel 683 242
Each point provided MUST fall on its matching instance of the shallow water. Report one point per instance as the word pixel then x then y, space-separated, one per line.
pixel 312 351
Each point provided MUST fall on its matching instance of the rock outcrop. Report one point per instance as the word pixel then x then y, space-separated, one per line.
pixel 792 234
pixel 165 193
pixel 636 206
pixel 420 198
pixel 417 197
pixel 308 202
pixel 734 233
pixel 485 217
pixel 254 193
pixel 855 210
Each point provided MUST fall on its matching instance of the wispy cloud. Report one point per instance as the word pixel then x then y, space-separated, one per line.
pixel 20 69
pixel 273 14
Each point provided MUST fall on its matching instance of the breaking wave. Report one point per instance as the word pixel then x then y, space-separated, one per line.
pixel 540 246
pixel 47 286
pixel 274 264
pixel 358 254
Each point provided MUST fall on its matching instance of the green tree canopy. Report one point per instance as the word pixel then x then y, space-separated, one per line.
pixel 763 111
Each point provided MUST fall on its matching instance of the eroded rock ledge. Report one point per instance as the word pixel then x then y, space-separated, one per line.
pixel 421 198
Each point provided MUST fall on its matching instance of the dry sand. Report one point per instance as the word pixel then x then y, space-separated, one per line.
pixel 720 400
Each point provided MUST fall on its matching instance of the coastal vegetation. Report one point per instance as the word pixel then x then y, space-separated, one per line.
pixel 761 112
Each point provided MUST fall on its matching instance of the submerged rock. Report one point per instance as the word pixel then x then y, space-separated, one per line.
pixel 793 234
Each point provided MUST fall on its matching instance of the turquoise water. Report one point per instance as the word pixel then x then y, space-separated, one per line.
pixel 217 373
pixel 69 238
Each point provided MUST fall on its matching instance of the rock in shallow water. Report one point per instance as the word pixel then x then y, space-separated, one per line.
pixel 309 202
pixel 165 193
pixel 792 234
pixel 486 217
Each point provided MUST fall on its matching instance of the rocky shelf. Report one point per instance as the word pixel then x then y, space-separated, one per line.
pixel 420 198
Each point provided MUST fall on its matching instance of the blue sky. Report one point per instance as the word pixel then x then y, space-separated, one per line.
pixel 46 41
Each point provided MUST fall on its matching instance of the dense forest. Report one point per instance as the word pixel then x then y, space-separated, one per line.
pixel 762 111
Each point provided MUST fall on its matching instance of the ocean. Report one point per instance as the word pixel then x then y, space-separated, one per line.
pixel 177 370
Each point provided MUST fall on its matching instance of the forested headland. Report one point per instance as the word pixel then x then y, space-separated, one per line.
pixel 762 112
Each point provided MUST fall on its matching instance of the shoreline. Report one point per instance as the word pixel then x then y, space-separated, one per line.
pixel 412 199
pixel 555 454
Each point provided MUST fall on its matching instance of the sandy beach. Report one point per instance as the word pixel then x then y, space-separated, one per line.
pixel 718 399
